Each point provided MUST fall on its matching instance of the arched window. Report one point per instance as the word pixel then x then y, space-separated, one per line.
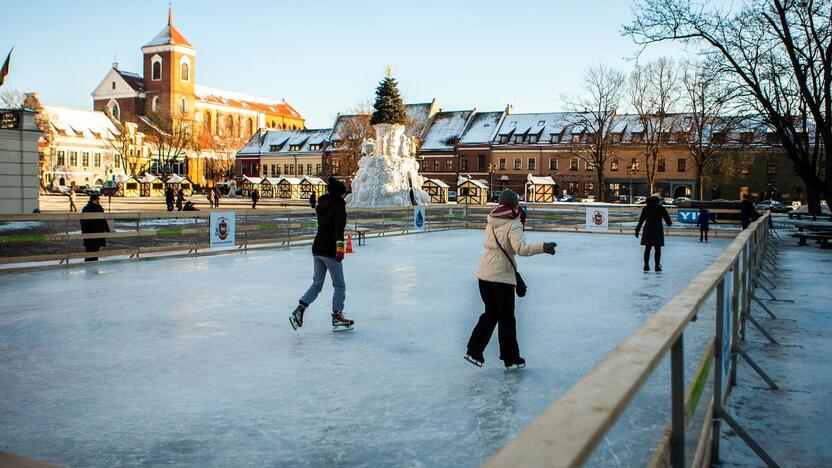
pixel 183 105
pixel 154 103
pixel 207 122
pixel 114 109
pixel 185 69
pixel 230 125
pixel 249 127
pixel 156 67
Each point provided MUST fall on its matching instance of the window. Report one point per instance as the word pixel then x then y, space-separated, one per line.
pixel 183 105
pixel 436 165
pixel 502 164
pixel 590 166
pixel 318 169
pixel 518 138
pixel 286 169
pixel 185 71
pixel 154 103
pixel 206 122
pixel 662 165
pixel 481 162
pixel 449 165
pixel 634 164
pixel 300 169
pixel 274 148
pixel 616 138
pixel 532 164
pixel 746 137
pixel 533 138
pixel 667 137
pixel 294 147
pixel 744 169
pixel 265 170
pixel 772 138
pixel 114 109
pixel 718 138
pixel 314 147
pixel 555 138
pixel 97 160
pixel 638 137
pixel 309 169
pixel 517 164
pixel 771 169
pixel 553 164
pixel 275 170
pixel 682 165
pixel 114 85
pixel 541 123
pixel 156 65
pixel 589 188
pixel 336 166
pixel 463 163
pixel 614 164
pixel 576 138
pixel 73 158
pixel 573 164
pixel 503 139
pixel 61 158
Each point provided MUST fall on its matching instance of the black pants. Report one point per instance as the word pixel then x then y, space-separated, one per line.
pixel 92 248
pixel 499 309
pixel 657 257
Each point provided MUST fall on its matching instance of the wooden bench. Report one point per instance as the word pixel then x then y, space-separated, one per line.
pixel 360 234
pixel 823 238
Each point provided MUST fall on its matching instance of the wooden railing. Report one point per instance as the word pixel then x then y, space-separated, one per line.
pixel 567 433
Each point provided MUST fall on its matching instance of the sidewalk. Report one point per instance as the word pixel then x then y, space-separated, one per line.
pixel 792 424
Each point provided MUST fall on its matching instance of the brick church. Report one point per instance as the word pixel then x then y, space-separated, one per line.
pixel 224 120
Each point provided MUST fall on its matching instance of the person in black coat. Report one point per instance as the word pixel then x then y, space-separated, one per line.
pixel 169 197
pixel 313 200
pixel 255 196
pixel 89 226
pixel 327 254
pixel 180 199
pixel 703 222
pixel 653 237
pixel 747 211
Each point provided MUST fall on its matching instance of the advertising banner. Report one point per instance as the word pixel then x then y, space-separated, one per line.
pixel 597 218
pixel 222 228
pixel 687 216
pixel 419 218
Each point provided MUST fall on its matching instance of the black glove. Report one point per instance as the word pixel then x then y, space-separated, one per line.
pixel 637 231
pixel 549 247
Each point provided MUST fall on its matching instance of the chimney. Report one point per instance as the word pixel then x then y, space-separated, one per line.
pixel 509 108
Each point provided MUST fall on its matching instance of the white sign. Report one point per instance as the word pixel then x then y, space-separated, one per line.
pixel 419 218
pixel 223 224
pixel 596 218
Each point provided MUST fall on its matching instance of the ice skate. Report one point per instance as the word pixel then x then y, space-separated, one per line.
pixel 341 323
pixel 658 268
pixel 474 358
pixel 519 363
pixel 646 267
pixel 296 319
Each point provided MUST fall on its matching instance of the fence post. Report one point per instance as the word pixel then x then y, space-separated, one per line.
pixel 718 368
pixel 677 381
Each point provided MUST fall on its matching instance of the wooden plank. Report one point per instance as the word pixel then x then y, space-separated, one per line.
pixel 566 433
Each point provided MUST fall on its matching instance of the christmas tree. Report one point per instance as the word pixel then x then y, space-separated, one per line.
pixel 389 108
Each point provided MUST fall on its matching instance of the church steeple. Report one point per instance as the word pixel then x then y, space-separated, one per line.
pixel 170 16
pixel 169 35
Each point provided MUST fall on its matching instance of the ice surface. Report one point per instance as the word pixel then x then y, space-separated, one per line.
pixel 192 361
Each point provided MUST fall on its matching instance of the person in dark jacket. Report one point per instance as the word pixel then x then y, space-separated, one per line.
pixel 703 221
pixel 747 211
pixel 217 196
pixel 89 226
pixel 255 196
pixel 327 254
pixel 653 237
pixel 313 200
pixel 180 199
pixel 169 197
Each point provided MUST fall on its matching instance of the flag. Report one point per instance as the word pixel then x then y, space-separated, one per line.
pixel 5 70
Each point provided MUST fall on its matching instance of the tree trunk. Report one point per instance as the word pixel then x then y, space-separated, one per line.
pixel 701 190
pixel 813 197
pixel 601 178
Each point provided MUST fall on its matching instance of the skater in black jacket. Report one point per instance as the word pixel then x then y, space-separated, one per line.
pixel 653 237
pixel 327 254
pixel 89 226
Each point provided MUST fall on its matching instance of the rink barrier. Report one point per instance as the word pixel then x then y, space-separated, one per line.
pixel 263 228
pixel 568 432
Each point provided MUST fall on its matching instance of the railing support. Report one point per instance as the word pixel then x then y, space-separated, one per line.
pixel 677 380
pixel 746 437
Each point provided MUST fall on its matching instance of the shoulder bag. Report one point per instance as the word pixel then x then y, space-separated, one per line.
pixel 521 288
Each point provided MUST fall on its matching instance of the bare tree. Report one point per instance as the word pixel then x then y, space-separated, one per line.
pixel 172 138
pixel 708 100
pixel 127 147
pixel 11 98
pixel 654 94
pixel 354 129
pixel 595 111
pixel 780 54
pixel 44 124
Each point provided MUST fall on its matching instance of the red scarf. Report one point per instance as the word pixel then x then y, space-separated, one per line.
pixel 507 212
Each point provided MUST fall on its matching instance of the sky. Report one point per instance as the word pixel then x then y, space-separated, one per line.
pixel 326 57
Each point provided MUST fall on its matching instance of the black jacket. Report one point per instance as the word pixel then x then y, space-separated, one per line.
pixel 747 212
pixel 89 226
pixel 651 218
pixel 332 219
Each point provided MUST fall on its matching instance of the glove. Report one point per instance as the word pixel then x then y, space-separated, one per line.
pixel 549 247
pixel 637 231
pixel 339 251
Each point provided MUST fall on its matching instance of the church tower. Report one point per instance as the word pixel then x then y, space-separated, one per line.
pixel 169 72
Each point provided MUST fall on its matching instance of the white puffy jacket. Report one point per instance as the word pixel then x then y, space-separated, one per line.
pixel 494 265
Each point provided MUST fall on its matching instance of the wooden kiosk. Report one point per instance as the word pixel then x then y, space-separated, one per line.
pixel 250 184
pixel 471 191
pixel 269 187
pixel 437 190
pixel 540 189
pixel 128 186
pixel 310 185
pixel 151 186
pixel 289 187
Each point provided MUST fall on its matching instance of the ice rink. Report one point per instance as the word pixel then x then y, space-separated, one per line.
pixel 192 362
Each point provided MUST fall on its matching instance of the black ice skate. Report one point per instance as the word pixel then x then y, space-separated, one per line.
pixel 519 363
pixel 296 319
pixel 341 323
pixel 474 358
pixel 658 268
pixel 646 267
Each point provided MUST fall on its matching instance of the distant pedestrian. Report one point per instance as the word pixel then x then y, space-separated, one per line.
pixel 71 195
pixel 747 211
pixel 313 200
pixel 217 196
pixel 497 277
pixel 180 199
pixel 653 238
pixel 703 221
pixel 169 196
pixel 209 194
pixel 255 196
pixel 89 226
pixel 327 254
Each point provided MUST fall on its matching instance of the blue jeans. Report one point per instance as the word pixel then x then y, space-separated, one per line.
pixel 336 272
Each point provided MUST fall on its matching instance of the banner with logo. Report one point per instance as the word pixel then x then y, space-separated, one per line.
pixel 222 228
pixel 687 216
pixel 419 218
pixel 597 218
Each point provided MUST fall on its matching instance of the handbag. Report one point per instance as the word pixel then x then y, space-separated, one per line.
pixel 521 288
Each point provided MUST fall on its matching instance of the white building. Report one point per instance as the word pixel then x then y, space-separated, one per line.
pixel 19 161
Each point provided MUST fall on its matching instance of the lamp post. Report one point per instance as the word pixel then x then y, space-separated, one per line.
pixel 632 169
pixel 491 169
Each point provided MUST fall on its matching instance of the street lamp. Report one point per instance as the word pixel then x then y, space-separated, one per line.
pixel 491 169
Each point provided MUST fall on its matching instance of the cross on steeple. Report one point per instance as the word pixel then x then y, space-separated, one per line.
pixel 170 13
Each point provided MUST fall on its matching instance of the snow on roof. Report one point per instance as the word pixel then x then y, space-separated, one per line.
pixel 274 141
pixel 82 123
pixel 314 180
pixel 445 129
pixel 547 123
pixel 476 182
pixel 436 182
pixel 270 180
pixel 540 180
pixel 290 180
pixel 252 180
pixel 169 35
pixel 147 178
pixel 135 80
pixel 343 120
pixel 121 178
pixel 481 128
pixel 244 101
pixel 417 116
pixel 177 179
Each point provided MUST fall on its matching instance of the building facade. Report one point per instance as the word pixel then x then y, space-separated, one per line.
pixel 287 153
pixel 19 162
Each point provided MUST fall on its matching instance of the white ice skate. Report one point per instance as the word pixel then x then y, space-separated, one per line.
pixel 341 323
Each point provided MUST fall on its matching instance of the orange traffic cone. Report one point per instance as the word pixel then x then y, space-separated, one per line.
pixel 349 244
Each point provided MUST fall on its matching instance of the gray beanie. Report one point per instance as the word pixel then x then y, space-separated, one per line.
pixel 507 197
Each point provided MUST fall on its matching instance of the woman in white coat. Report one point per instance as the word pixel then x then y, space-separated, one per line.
pixel 503 240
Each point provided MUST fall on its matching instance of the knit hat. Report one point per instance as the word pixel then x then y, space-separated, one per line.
pixel 509 198
pixel 335 187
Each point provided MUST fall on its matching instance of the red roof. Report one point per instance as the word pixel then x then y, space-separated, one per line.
pixel 169 35
pixel 242 101
pixel 135 81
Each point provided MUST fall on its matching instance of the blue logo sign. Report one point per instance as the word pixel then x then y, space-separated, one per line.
pixel 687 216
pixel 420 220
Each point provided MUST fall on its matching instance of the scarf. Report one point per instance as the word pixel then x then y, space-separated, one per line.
pixel 507 212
